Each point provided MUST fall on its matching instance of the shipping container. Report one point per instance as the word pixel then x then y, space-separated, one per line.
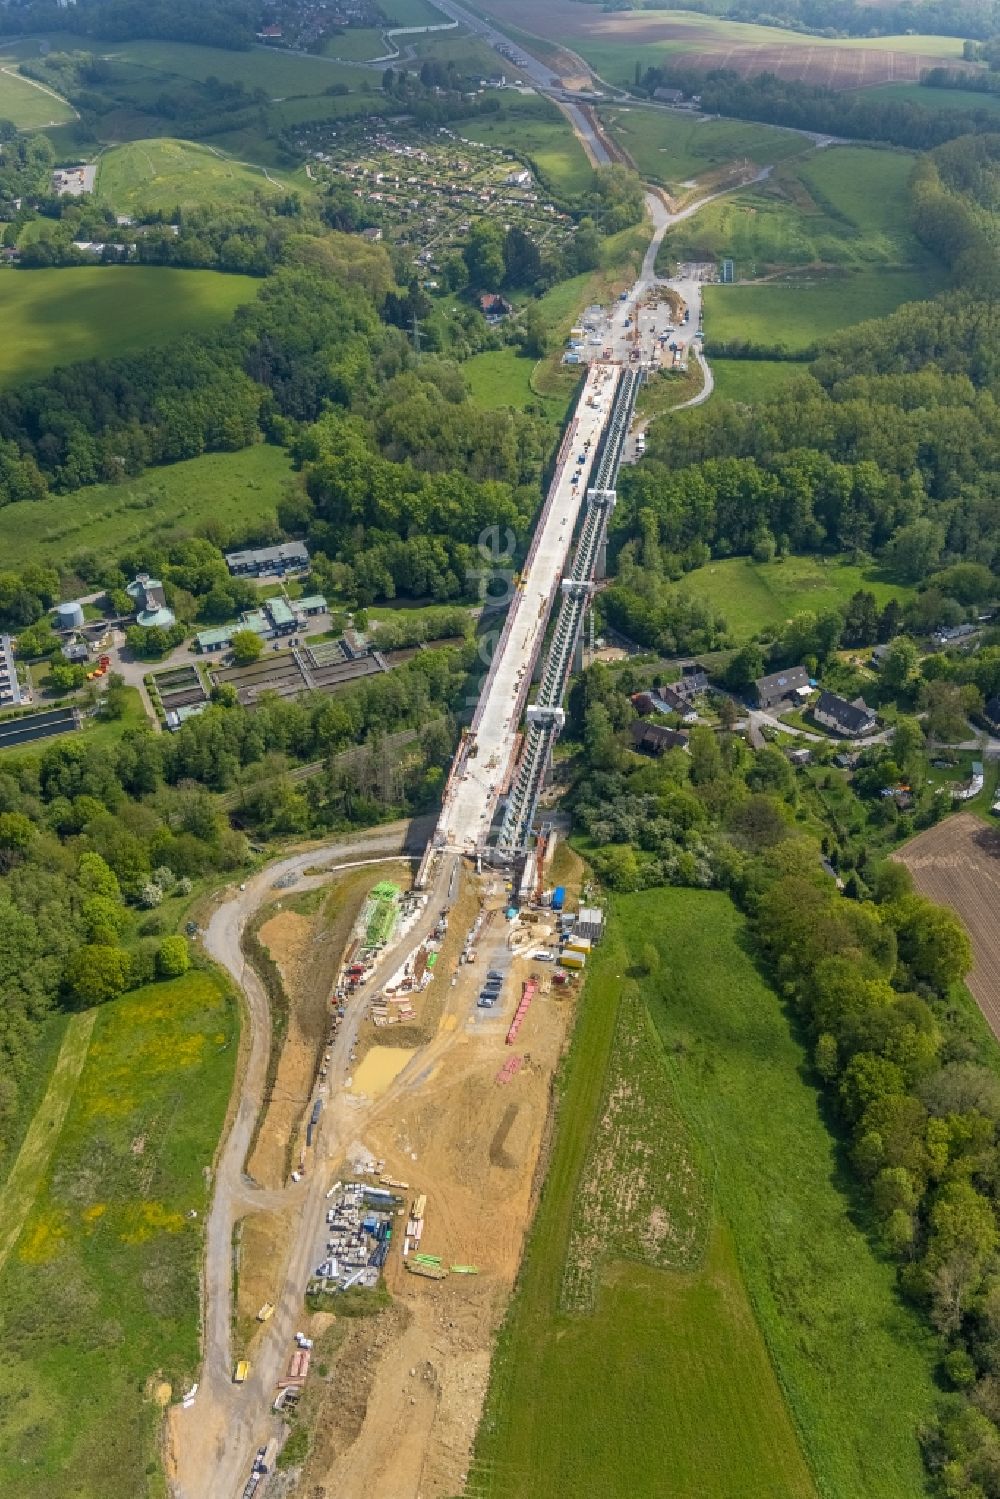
pixel 558 898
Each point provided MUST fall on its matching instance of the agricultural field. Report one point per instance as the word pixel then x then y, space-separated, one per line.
pixel 756 596
pixel 55 317
pixel 233 490
pixel 673 149
pixel 163 174
pixel 99 1295
pixel 797 313
pixel 24 103
pixel 612 42
pixel 956 863
pixel 847 207
pixel 753 380
pixel 681 1351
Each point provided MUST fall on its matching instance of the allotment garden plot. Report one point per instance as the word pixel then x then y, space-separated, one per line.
pixel 423 189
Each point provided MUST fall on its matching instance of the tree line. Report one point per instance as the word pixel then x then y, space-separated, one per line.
pixel 871 975
pixel 810 106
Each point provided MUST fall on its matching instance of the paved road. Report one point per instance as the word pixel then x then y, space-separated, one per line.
pixel 215 1439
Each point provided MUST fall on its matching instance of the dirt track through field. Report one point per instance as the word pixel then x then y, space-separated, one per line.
pixel 957 864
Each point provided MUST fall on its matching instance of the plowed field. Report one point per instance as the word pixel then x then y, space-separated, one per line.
pixel 957 864
pixel 611 41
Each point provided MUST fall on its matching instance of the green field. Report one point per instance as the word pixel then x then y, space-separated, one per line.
pixel 674 1362
pixel 55 317
pixel 233 489
pixel 25 104
pixel 754 379
pixel 847 207
pixel 671 1359
pixel 413 13
pixel 757 596
pixel 798 313
pixel 549 143
pixel 100 1297
pixel 931 98
pixel 281 74
pixel 673 149
pixel 356 44
pixel 165 173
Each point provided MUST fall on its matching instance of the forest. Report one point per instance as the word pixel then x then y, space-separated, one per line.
pixel 810 106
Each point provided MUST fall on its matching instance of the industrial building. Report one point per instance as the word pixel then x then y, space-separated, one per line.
pixel 261 562
pixel 277 616
pixel 150 602
pixel 10 692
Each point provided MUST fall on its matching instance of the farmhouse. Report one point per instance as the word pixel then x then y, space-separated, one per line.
pixel 851 719
pixel 290 556
pixel 783 687
pixel 655 739
pixel 494 307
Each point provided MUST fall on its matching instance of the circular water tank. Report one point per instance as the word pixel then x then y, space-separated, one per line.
pixel 69 616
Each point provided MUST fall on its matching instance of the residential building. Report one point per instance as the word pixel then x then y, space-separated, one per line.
pixel 853 720
pixel 655 739
pixel 494 307
pixel 783 688
pixel 259 562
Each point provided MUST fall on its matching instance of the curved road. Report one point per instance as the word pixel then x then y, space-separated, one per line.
pixel 214 1440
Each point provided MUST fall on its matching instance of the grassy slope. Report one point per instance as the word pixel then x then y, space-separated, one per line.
pixel 548 142
pixel 164 173
pixel 413 13
pixel 854 1362
pixel 281 74
pixel 761 595
pixel 931 98
pixel 673 148
pixel 235 489
pixel 799 313
pixel 356 44
pixel 101 1293
pixel 55 317
pixel 847 206
pixel 27 106
pixel 674 1363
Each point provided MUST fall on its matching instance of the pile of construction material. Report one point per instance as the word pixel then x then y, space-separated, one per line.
pixel 391 1006
pixel 359 1233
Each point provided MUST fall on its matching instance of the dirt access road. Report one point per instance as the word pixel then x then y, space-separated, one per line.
pixel 210 1444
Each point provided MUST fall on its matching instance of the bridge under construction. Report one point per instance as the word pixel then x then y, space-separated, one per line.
pixel 492 790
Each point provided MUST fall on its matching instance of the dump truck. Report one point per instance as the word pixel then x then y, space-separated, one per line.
pixel 241 1371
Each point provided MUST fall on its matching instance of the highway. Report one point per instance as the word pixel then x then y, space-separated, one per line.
pixel 484 760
